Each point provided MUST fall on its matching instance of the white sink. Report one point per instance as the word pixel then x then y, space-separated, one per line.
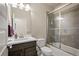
pixel 18 39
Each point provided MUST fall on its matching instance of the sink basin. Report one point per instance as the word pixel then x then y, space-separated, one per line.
pixel 9 40
pixel 21 39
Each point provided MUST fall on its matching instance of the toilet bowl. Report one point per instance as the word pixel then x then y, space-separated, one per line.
pixel 45 51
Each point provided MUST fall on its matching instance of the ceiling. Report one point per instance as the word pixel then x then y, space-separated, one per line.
pixel 53 5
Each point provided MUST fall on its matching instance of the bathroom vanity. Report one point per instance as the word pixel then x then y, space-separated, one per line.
pixel 22 47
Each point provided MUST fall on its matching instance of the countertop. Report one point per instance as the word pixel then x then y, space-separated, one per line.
pixel 12 41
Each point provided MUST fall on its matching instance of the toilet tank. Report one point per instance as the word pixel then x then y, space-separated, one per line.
pixel 41 42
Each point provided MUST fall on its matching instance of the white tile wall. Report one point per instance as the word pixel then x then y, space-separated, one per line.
pixel 3 27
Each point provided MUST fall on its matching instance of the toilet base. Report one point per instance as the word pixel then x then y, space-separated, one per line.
pixel 46 51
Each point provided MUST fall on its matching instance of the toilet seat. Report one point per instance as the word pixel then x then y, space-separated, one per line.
pixel 46 51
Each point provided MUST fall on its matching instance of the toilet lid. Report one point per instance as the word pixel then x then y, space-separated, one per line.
pixel 46 49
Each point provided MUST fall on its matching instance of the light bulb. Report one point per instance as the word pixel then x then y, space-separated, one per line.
pixel 14 5
pixel 21 6
pixel 27 7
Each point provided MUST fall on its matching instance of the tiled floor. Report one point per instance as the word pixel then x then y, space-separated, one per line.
pixel 56 52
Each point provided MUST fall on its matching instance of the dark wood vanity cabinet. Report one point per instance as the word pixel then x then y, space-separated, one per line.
pixel 23 49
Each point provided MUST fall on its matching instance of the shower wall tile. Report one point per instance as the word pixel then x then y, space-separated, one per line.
pixel 70 32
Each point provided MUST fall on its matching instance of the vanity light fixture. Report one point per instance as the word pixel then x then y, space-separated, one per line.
pixel 14 5
pixel 27 7
pixel 21 6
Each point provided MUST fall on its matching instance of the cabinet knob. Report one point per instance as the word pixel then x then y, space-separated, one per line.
pixel 10 46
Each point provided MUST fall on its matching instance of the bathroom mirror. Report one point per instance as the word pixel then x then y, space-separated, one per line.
pixel 21 21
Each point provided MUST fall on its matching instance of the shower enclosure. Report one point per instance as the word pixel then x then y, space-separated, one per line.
pixel 53 30
pixel 63 29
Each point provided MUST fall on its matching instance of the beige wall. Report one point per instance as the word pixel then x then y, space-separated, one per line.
pixel 39 20
pixel 38 24
pixel 3 28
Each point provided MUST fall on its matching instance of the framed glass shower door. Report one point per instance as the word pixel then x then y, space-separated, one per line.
pixel 53 36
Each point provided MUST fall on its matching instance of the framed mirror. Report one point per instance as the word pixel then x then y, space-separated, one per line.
pixel 20 20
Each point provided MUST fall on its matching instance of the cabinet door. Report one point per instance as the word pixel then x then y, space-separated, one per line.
pixel 19 52
pixel 33 53
pixel 23 49
pixel 30 51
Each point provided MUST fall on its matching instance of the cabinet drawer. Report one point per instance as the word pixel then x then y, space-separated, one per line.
pixel 22 45
pixel 28 44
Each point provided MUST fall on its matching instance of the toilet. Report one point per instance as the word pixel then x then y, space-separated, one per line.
pixel 43 50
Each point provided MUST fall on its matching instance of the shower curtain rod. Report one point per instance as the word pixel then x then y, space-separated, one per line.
pixel 59 8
